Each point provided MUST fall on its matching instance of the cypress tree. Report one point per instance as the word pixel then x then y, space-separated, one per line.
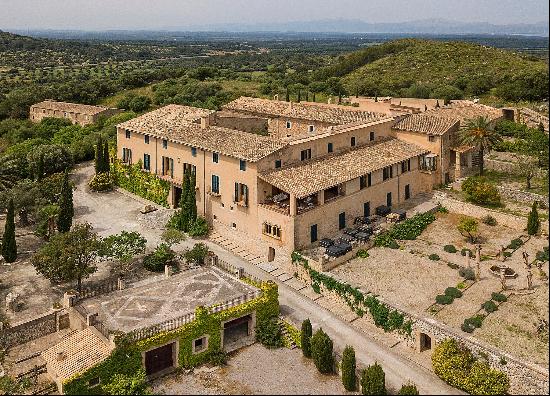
pixel 105 158
pixel 66 209
pixel 321 350
pixel 287 95
pixel 306 333
pixel 192 199
pixel 533 222
pixel 299 95
pixel 9 245
pixel 373 380
pixel 348 369
pixel 99 155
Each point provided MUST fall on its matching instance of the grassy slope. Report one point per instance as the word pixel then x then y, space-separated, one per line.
pixel 440 63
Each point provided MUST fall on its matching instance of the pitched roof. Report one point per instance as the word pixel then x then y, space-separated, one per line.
pixel 331 114
pixel 79 351
pixel 426 123
pixel 70 107
pixel 463 110
pixel 310 177
pixel 176 123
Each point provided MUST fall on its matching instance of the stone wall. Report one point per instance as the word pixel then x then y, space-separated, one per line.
pixel 506 166
pixel 522 196
pixel 33 329
pixel 525 378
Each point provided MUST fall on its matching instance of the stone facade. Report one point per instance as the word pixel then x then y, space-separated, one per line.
pixel 76 113
pixel 33 329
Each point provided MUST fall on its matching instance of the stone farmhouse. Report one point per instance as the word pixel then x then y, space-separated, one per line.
pixel 290 174
pixel 76 113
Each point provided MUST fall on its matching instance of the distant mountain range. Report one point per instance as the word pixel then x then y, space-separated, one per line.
pixel 426 26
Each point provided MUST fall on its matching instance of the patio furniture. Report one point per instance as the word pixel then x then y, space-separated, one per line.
pixel 401 213
pixel 325 242
pixel 383 210
pixel 350 231
pixel 347 239
pixel 362 237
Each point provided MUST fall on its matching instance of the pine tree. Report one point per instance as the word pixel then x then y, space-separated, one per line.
pixel 66 208
pixel 99 155
pixel 9 245
pixel 105 158
pixel 306 333
pixel 348 369
pixel 192 199
pixel 533 222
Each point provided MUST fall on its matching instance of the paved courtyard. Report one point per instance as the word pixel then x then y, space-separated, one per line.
pixel 157 299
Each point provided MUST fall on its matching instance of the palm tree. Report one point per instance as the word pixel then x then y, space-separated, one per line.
pixel 479 132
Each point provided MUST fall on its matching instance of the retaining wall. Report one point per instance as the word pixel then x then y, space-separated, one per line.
pixel 33 329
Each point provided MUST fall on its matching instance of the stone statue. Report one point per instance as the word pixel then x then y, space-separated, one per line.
pixel 503 278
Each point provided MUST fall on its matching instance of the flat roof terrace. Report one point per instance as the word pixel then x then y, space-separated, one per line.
pixel 158 299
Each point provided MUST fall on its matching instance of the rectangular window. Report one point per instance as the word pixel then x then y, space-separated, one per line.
pixel 127 155
pixel 147 162
pixel 288 125
pixel 146 139
pixel 305 154
pixel 215 157
pixel 342 221
pixel 189 168
pixel 215 184
pixel 431 138
pixel 164 143
pixel 366 209
pixel 371 136
pixel 388 199
pixel 241 194
pixel 242 165
pixel 127 134
pixel 313 233
pixel 194 151
pixel 330 148
pixel 353 141
pixel 278 163
pixel 407 191
pixel 387 173
pixel 311 128
pixel 272 230
pixel 200 345
pixel 369 179
pixel 362 182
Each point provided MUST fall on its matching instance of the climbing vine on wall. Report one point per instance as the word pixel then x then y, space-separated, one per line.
pixel 146 185
pixel 357 301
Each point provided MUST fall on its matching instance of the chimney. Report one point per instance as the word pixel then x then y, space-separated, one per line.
pixel 205 122
pixel 276 97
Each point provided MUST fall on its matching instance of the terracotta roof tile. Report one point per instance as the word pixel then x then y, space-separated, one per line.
pixel 316 175
pixel 331 114
pixel 176 123
pixel 426 123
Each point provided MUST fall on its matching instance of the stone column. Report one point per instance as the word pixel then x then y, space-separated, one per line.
pixel 293 205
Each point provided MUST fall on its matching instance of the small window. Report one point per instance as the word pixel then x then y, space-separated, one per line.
pixel 311 128
pixel 147 162
pixel 194 151
pixel 363 182
pixel 93 382
pixel 369 179
pixel 242 165
pixel 215 157
pixel 234 226
pixel 305 154
pixel 200 345
pixel 288 125
pixel 146 139
pixel 371 136
pixel 215 184
pixel 353 141
pixel 387 173
pixel 330 148
pixel 278 163
pixel 127 134
pixel 272 230
pixel 431 138
pixel 241 194
pixel 164 143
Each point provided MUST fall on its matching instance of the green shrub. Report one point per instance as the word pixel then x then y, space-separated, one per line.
pixel 373 380
pixel 394 244
pixel 434 257
pixel 408 389
pixel 515 244
pixel 444 299
pixel 489 220
pixel 199 228
pixel 395 321
pixel 442 209
pixel 489 306
pixel 498 297
pixel 542 255
pixel 450 248
pixel 348 369
pixel 321 351
pixel 467 326
pixel 507 254
pixel 467 273
pixel 477 320
pixel 217 358
pixel 409 229
pixel 453 292
pixel 466 250
pixel 268 332
pixel 316 288
pixel 533 222
pixel 453 266
pixel 363 253
pixel 197 254
pixel 161 256
pixel 101 182
pixel 481 192
pixel 127 385
pixel 306 334
pixel 461 286
pixel 470 324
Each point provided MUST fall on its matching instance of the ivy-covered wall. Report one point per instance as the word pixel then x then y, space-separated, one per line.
pixel 127 356
pixel 146 185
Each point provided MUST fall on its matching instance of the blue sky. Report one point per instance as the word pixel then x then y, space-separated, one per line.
pixel 158 14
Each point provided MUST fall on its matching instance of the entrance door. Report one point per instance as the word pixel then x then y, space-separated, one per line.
pixel 425 342
pixel 388 199
pixel 313 232
pixel 159 359
pixel 177 197
pixel 407 191
pixel 342 220
pixel 366 209
pixel 236 330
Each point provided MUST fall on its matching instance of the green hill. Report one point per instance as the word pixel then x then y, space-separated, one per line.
pixel 424 68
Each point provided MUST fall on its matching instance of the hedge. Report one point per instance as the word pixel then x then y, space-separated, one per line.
pixel 453 292
pixel 456 365
pixel 444 299
pixel 409 229
pixel 147 185
pixel 489 306
pixel 126 357
pixel 450 248
pixel 498 297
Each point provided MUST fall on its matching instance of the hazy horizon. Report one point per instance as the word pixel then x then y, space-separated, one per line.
pixel 100 15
